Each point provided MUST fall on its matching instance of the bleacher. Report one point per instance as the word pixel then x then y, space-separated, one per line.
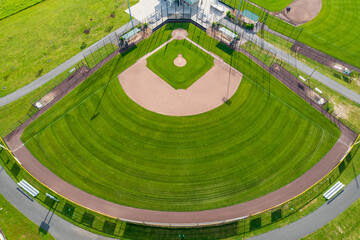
pixel 28 188
pixel 333 190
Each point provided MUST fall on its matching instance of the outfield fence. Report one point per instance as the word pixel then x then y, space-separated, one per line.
pixel 110 226
pixel 115 227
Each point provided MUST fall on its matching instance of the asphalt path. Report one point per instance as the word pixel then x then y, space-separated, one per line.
pixel 250 36
pixel 57 226
pixel 318 218
pixel 63 67
pixel 63 230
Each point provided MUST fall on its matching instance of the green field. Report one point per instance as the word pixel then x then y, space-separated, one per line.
pixel 10 7
pixel 335 30
pixel 102 142
pixel 198 63
pixel 271 5
pixel 17 226
pixel 40 38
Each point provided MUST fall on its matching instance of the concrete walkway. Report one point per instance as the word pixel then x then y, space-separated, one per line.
pixel 58 227
pixel 294 62
pixel 61 68
pixel 318 218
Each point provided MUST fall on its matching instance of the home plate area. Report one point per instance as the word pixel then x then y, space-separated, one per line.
pixel 150 91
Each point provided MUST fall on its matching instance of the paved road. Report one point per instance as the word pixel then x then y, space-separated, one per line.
pixel 61 68
pixel 294 62
pixel 318 218
pixel 58 227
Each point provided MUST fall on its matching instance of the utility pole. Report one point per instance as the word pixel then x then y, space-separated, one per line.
pixel 132 23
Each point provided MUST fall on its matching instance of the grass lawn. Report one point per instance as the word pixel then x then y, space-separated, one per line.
pixel 10 7
pixel 40 38
pixel 345 226
pixel 327 71
pixel 263 140
pixel 17 226
pixel 335 30
pixel 198 63
pixel 345 109
pixel 271 5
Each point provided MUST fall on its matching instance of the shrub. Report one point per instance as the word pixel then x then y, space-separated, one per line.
pixel 83 45
pixel 109 28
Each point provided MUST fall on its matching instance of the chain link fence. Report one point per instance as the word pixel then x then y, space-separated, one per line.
pixel 97 56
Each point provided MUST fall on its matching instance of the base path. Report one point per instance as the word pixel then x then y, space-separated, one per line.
pixel 152 93
pixel 301 11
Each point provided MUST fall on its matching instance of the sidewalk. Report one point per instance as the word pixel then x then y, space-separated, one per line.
pixel 293 61
pixel 317 219
pixel 61 68
pixel 58 227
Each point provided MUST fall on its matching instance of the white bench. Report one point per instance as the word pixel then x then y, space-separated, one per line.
pixel 302 78
pixel 318 90
pixel 338 67
pixel 28 188
pixel 333 190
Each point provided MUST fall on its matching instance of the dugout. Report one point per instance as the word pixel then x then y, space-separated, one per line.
pixel 229 35
pixel 249 17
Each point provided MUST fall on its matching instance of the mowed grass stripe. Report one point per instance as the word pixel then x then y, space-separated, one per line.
pixel 335 30
pixel 231 185
pixel 113 148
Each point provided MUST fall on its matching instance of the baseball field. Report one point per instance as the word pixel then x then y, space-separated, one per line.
pixel 99 140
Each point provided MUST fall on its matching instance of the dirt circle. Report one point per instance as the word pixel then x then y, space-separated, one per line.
pixel 179 34
pixel 180 61
pixel 302 11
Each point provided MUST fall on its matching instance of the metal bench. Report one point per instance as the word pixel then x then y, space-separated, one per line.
pixel 302 78
pixel 28 188
pixel 333 190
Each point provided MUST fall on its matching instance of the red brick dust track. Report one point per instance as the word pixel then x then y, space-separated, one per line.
pixel 42 174
pixel 302 11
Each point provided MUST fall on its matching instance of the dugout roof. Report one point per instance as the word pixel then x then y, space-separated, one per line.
pixel 250 15
pixel 130 34
pixel 228 32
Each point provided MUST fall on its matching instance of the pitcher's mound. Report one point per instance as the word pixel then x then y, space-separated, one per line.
pixel 180 61
pixel 179 34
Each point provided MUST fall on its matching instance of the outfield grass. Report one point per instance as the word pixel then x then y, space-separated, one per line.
pixel 271 5
pixel 335 30
pixel 198 63
pixel 17 226
pixel 40 38
pixel 10 7
pixel 235 153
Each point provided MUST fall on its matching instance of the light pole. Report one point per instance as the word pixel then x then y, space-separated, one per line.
pixel 312 73
pixel 237 15
pixel 132 23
